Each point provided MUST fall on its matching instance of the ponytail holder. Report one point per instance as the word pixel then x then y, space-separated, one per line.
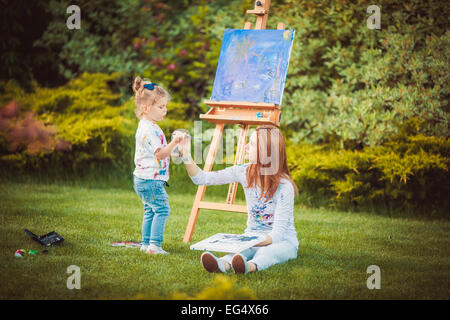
pixel 150 86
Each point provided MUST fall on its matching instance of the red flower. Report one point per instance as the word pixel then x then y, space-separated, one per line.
pixel 182 53
pixel 157 61
pixel 10 110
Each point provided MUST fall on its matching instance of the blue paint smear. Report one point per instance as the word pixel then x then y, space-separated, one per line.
pixel 253 65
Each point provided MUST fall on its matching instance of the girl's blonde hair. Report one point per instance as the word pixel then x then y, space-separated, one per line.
pixel 145 96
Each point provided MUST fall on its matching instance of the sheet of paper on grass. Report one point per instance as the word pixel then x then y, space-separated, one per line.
pixel 225 242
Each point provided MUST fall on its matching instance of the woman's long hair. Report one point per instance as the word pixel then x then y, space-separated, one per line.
pixel 271 163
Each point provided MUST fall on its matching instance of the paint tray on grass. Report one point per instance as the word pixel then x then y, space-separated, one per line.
pixel 47 240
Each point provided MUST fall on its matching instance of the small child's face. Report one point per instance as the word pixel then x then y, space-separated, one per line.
pixel 158 111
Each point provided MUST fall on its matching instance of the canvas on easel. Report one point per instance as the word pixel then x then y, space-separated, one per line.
pixel 253 65
pixel 248 90
pixel 250 77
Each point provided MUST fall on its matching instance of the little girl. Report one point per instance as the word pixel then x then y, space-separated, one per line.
pixel 152 159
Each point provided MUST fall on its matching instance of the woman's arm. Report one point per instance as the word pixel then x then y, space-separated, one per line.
pixel 200 177
pixel 265 242
pixel 185 153
pixel 191 166
pixel 284 212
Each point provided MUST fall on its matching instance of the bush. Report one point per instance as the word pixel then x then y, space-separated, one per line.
pixel 77 130
pixel 381 93
pixel 347 84
pixel 354 86
pixel 409 174
pixel 22 23
pixel 174 43
pixel 84 117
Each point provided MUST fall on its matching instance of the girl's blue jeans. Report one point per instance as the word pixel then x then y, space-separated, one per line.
pixel 156 209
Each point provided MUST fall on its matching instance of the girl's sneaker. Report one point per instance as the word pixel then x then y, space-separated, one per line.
pixel 154 249
pixel 144 247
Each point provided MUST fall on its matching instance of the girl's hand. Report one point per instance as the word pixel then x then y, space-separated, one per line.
pixel 178 137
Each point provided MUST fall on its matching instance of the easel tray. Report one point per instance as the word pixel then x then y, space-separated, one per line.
pixel 232 115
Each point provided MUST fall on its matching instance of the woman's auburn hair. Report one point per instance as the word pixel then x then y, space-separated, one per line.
pixel 269 168
pixel 147 97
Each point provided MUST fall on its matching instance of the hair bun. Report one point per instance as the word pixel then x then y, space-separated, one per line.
pixel 138 85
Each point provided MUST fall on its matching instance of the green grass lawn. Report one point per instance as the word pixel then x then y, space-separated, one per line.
pixel 335 250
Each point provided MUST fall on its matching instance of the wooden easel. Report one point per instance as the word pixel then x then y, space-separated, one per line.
pixel 230 112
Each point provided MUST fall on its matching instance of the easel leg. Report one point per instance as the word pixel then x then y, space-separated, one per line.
pixel 239 159
pixel 201 189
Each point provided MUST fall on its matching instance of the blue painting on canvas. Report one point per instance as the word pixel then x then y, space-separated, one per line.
pixel 253 65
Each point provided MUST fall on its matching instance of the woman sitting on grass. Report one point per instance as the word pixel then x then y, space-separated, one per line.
pixel 269 192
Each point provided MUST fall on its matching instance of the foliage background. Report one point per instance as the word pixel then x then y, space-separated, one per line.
pixel 365 111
